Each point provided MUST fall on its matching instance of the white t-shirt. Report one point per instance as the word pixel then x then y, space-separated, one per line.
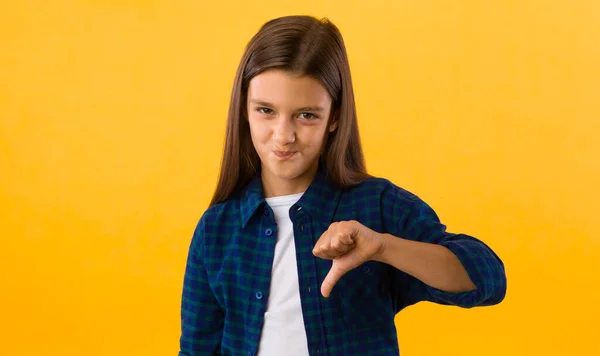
pixel 283 330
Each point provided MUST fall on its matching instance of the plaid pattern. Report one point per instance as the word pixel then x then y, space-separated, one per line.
pixel 227 278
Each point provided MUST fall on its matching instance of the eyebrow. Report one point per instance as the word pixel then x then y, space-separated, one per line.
pixel 305 108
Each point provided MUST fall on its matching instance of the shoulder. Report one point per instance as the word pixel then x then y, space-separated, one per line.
pixel 391 197
pixel 383 189
pixel 220 216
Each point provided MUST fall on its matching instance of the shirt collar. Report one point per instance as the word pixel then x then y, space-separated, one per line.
pixel 319 201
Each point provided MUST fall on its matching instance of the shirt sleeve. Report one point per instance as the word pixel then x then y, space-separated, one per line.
pixel 202 318
pixel 407 216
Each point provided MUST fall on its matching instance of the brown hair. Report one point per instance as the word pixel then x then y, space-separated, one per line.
pixel 302 45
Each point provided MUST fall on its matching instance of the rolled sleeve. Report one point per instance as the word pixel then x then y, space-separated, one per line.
pixel 407 216
pixel 485 270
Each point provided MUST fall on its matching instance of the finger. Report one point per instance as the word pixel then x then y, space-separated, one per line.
pixel 323 246
pixel 341 243
pixel 334 275
pixel 347 239
pixel 323 240
pixel 328 252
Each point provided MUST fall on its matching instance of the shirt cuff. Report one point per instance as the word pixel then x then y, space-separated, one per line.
pixel 484 269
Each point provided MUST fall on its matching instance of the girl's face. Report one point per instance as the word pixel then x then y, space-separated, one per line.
pixel 288 117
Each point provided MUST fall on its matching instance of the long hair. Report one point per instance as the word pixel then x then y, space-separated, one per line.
pixel 301 45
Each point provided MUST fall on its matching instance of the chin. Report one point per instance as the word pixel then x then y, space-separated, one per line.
pixel 287 173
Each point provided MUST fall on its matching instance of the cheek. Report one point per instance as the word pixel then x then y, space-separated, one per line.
pixel 315 139
pixel 258 133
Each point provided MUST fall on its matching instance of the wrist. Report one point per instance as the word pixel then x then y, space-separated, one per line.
pixel 388 246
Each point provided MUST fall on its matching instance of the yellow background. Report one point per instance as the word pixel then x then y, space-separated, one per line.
pixel 112 115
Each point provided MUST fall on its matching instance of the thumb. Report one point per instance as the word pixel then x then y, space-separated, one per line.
pixel 335 273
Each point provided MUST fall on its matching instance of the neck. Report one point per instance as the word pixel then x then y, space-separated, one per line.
pixel 276 187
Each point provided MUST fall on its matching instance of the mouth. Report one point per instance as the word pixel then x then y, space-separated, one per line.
pixel 284 154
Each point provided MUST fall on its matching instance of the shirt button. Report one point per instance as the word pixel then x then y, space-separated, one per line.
pixel 299 208
pixel 258 295
pixel 268 232
pixel 266 212
pixel 302 227
pixel 366 269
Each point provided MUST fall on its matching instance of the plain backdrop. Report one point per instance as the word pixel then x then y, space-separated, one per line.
pixel 112 118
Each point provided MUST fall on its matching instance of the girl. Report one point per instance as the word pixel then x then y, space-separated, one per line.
pixel 301 252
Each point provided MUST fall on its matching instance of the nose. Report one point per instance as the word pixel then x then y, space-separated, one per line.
pixel 284 132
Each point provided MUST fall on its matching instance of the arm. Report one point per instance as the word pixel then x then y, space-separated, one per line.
pixel 201 316
pixel 432 264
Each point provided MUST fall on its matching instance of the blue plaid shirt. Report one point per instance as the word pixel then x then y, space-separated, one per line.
pixel 227 278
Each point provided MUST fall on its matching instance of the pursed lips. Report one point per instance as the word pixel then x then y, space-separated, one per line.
pixel 284 154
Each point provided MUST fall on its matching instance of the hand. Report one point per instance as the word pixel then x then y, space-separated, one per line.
pixel 349 244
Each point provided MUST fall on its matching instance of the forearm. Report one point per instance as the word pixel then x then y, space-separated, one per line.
pixel 434 265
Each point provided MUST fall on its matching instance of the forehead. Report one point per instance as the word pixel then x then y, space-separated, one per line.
pixel 284 89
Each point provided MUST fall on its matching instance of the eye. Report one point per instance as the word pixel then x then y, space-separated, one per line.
pixel 307 116
pixel 265 111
